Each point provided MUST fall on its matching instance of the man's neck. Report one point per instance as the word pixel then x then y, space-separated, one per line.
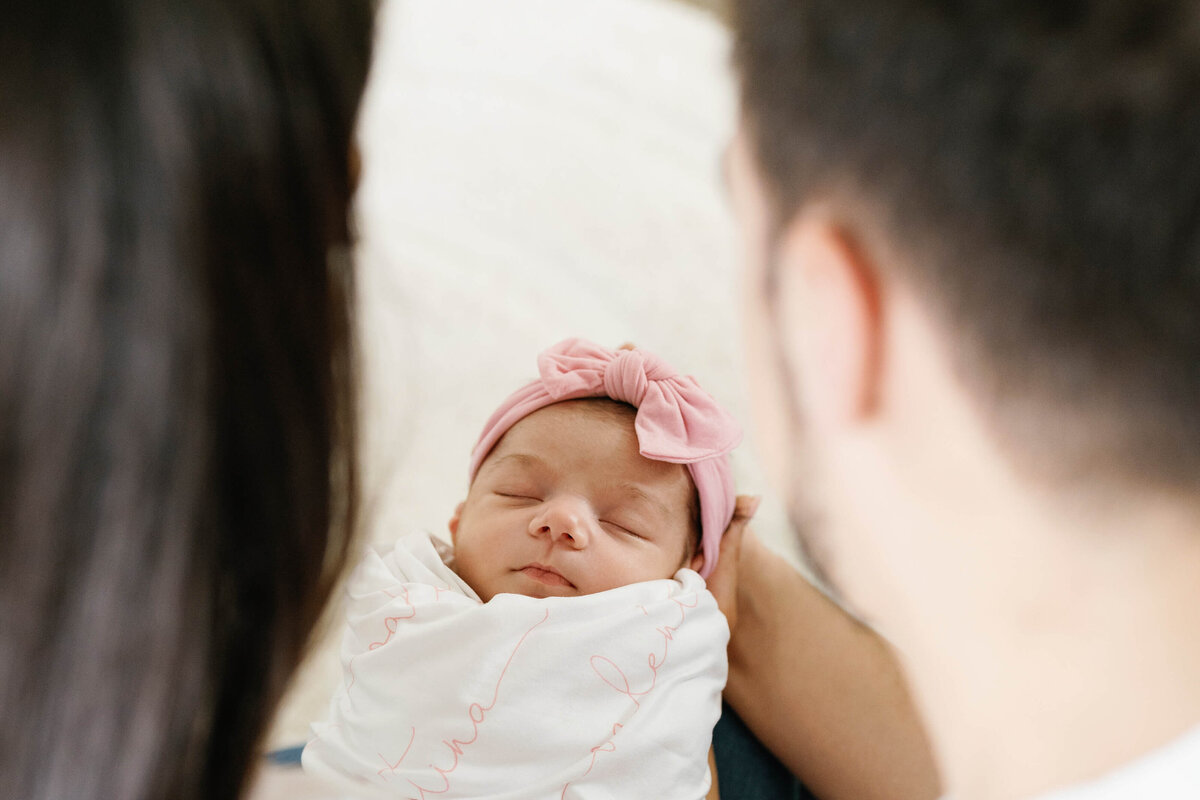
pixel 1090 661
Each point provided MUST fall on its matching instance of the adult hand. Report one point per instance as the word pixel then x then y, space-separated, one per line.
pixel 723 582
pixel 824 693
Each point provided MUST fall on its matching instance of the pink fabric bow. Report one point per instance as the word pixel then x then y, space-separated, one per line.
pixel 677 421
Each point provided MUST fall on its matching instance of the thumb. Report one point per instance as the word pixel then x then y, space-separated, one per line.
pixel 724 579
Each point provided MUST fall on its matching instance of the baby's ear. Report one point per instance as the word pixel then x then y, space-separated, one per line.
pixel 453 525
pixel 697 562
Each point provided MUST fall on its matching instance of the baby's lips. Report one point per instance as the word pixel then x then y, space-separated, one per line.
pixel 547 575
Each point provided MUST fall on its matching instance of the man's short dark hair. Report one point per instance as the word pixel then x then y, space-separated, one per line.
pixel 1037 167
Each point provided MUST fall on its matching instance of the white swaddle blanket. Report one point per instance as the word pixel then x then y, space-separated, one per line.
pixel 608 695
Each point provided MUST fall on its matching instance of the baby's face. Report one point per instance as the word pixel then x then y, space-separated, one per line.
pixel 566 505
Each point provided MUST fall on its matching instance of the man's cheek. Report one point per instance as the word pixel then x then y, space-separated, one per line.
pixel 767 396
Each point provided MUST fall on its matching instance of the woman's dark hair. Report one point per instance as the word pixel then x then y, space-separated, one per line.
pixel 177 435
pixel 1036 165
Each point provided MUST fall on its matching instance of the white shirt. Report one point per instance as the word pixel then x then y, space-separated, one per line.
pixel 1171 772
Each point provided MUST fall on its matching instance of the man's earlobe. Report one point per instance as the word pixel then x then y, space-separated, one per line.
pixel 454 520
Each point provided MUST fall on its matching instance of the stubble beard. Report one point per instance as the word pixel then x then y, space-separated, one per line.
pixel 809 524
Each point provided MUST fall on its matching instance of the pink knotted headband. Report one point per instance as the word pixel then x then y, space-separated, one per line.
pixel 676 421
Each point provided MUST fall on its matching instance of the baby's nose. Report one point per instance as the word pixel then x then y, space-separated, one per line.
pixel 566 519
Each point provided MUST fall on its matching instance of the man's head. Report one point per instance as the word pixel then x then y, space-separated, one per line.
pixel 980 210
pixel 566 505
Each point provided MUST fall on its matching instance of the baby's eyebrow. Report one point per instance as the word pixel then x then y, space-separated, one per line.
pixel 638 493
pixel 519 459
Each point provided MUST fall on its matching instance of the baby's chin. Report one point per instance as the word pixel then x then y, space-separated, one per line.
pixel 532 587
pixel 541 586
pixel 544 592
pixel 518 582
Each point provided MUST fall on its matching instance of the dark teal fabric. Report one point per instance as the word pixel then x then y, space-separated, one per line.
pixel 287 757
pixel 746 770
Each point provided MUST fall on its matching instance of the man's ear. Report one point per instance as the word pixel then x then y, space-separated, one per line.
pixel 829 304
pixel 454 520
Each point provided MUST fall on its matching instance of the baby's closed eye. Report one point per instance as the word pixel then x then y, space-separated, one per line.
pixel 627 529
pixel 524 495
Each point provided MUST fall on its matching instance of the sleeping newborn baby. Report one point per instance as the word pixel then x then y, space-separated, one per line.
pixel 565 646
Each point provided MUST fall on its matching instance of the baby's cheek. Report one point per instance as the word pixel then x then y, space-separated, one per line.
pixel 611 573
pixel 468 568
pixel 654 564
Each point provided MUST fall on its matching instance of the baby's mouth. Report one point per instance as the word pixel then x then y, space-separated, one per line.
pixel 547 575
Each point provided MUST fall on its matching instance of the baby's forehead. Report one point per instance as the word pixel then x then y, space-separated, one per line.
pixel 595 437
pixel 602 409
pixel 591 423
